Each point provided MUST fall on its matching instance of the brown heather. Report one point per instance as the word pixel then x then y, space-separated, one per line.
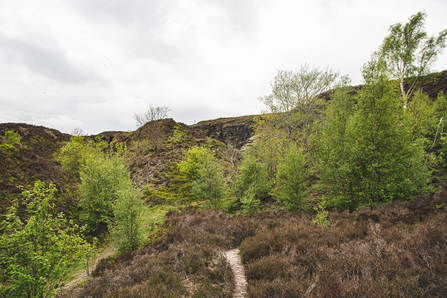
pixel 188 261
pixel 396 250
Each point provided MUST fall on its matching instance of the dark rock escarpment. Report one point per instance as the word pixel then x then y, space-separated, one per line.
pixel 233 131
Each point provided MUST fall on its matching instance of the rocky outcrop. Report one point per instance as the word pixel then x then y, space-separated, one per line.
pixel 233 131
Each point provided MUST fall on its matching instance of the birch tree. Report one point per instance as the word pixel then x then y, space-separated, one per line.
pixel 408 52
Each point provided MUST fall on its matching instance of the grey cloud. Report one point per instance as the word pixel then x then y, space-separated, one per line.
pixel 50 62
pixel 241 16
pixel 331 5
pixel 144 21
pixel 151 45
pixel 150 12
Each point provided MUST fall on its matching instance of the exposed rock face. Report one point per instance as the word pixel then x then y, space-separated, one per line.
pixel 234 131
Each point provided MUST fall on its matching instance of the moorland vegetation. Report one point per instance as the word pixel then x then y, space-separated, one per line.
pixel 340 194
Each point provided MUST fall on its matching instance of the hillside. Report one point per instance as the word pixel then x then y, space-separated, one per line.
pixel 390 249
pixel 34 160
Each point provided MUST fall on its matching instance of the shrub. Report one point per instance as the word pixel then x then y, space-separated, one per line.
pixel 253 181
pixel 12 137
pixel 37 251
pixel 202 169
pixel 291 179
pixel 127 220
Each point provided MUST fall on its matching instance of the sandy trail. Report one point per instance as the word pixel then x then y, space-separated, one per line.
pixel 240 281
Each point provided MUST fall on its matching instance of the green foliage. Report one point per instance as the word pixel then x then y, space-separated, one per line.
pixel 209 184
pixel 252 184
pixel 194 158
pixel 295 104
pixel 37 251
pixel 7 149
pixel 178 135
pixel 423 119
pixel 71 155
pixel 250 203
pixel 12 137
pixel 370 153
pixel 439 114
pixel 127 222
pixel 321 219
pixel 409 53
pixel 121 148
pixel 206 177
pixel 147 190
pixel 440 106
pixel 178 186
pixel 291 178
pixel 102 176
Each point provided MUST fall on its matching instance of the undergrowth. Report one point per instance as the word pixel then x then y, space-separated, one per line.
pixel 186 259
pixel 395 250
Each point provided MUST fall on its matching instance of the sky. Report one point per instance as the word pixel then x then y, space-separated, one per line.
pixel 93 64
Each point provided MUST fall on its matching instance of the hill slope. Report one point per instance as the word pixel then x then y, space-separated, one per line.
pixel 31 161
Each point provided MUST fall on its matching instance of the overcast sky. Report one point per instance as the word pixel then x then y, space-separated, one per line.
pixel 92 64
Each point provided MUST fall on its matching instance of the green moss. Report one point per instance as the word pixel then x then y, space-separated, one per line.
pixel 177 188
pixel 13 137
pixel 7 149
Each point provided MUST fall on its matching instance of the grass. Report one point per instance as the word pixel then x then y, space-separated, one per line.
pixel 153 215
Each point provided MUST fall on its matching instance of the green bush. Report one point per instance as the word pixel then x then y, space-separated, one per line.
pixel 36 251
pixel 253 180
pixel 207 182
pixel 127 220
pixel 13 137
pixel 371 152
pixel 147 190
pixel 291 179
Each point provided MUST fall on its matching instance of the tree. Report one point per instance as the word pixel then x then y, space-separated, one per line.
pixel 77 132
pixel 127 221
pixel 291 178
pixel 295 104
pixel 209 184
pixel 72 154
pixel 102 176
pixel 194 158
pixel 36 249
pixel 409 53
pixel 368 155
pixel 154 116
pixel 335 164
pixel 206 177
pixel 252 174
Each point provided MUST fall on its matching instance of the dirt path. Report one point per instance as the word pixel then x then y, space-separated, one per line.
pixel 83 275
pixel 240 281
